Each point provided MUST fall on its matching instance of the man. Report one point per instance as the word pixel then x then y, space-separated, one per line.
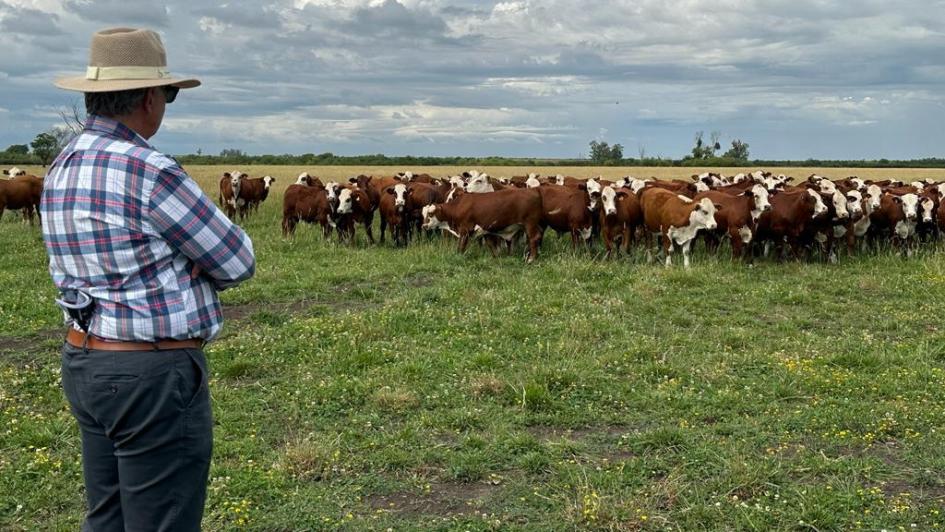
pixel 138 252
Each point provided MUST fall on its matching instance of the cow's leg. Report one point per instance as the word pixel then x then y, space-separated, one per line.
pixel 383 228
pixel 534 240
pixel 607 233
pixel 685 252
pixel 368 222
pixel 463 240
pixel 668 250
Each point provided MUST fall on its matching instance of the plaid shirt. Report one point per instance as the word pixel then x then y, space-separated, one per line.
pixel 125 224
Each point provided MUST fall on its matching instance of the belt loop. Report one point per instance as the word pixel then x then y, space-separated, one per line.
pixel 85 343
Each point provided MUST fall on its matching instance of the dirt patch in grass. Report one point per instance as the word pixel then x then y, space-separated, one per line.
pixel 545 433
pixel 443 499
pixel 19 350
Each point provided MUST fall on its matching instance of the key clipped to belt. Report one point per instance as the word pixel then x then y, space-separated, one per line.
pixel 79 306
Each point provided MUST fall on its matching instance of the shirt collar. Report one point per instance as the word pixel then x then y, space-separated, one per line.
pixel 114 128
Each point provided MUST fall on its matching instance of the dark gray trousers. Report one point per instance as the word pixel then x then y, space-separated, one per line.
pixel 146 436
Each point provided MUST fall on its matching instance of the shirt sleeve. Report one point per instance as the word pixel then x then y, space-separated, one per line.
pixel 191 223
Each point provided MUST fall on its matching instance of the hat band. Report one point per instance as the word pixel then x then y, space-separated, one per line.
pixel 126 73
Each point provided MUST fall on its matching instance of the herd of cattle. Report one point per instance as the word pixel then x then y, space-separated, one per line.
pixel 754 212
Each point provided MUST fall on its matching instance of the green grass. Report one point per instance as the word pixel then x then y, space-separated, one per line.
pixel 367 388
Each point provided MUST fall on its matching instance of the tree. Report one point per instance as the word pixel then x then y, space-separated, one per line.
pixel 603 153
pixel 45 146
pixel 19 149
pixel 739 150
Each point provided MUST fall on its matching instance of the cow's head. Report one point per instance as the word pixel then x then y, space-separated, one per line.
pixel 268 181
pixel 532 181
pixel 855 204
pixel 609 198
pixel 479 183
pixel 874 196
pixel 703 215
pixel 559 180
pixel 304 179
pixel 819 208
pixel 926 209
pixel 839 202
pixel 593 188
pixel 760 203
pixel 909 204
pixel 400 193
pixel 430 220
pixel 345 201
pixel 827 186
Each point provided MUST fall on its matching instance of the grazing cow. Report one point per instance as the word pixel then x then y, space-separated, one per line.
pixel 676 219
pixel 21 192
pixel 503 213
pixel 393 208
pixel 737 216
pixel 354 206
pixel 14 172
pixel 565 210
pixel 792 212
pixel 303 203
pixel 621 215
pixel 252 192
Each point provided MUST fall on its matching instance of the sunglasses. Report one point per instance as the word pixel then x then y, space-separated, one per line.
pixel 170 93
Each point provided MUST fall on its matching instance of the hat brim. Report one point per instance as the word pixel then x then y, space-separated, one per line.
pixel 81 84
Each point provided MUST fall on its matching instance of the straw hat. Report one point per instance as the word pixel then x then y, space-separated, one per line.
pixel 124 59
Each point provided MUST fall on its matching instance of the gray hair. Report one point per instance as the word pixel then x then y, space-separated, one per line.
pixel 111 104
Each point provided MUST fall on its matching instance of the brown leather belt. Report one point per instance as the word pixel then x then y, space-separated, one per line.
pixel 77 339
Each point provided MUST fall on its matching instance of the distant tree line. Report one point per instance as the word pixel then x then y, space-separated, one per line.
pixel 704 153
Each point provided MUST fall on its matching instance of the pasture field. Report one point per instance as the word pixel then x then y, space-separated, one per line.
pixel 373 388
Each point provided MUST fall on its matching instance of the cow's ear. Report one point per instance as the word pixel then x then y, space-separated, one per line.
pixel 897 199
pixel 789 179
pixel 352 179
pixel 582 186
pixel 748 193
pixel 409 191
pixel 225 174
pixel 621 195
pixel 717 206
pixel 389 190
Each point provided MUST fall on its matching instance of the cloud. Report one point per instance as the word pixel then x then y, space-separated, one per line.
pixel 120 12
pixel 514 77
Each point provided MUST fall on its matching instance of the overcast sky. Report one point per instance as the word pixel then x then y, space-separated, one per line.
pixel 793 78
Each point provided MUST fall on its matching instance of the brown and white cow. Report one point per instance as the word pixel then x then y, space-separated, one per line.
pixel 14 172
pixel 354 206
pixel 504 213
pixel 394 213
pixel 252 192
pixel 896 218
pixel 309 204
pixel 621 215
pixel 737 216
pixel 676 219
pixel 21 192
pixel 792 213
pixel 230 183
pixel 565 210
